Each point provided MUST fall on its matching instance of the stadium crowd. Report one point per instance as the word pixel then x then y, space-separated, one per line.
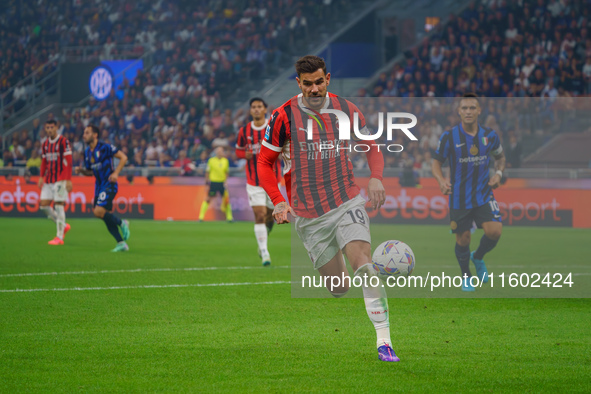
pixel 215 42
pixel 528 48
pixel 172 114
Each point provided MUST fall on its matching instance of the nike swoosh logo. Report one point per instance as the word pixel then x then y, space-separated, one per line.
pixel 458 145
pixel 302 129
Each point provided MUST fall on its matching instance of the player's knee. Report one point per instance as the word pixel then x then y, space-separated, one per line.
pixel 339 292
pixel 46 210
pixel 464 239
pixel 336 286
pixel 99 213
pixel 494 233
pixel 259 218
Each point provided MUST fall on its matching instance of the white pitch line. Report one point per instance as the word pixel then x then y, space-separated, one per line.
pixel 145 287
pixel 137 270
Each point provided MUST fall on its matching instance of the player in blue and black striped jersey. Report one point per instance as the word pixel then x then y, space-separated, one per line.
pixel 98 161
pixel 468 148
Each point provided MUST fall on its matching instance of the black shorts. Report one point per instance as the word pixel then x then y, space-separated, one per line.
pixel 462 219
pixel 103 196
pixel 216 187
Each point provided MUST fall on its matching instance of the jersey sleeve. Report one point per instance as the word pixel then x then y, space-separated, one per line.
pixel 67 159
pixel 43 161
pixel 276 136
pixel 496 148
pixel 277 132
pixel 267 178
pixel 208 167
pixel 241 143
pixel 241 139
pixel 111 150
pixel 442 151
pixel 67 148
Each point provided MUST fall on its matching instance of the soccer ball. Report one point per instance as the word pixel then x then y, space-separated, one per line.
pixel 393 258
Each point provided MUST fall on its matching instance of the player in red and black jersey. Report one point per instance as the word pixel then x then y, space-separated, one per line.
pixel 248 145
pixel 55 180
pixel 330 216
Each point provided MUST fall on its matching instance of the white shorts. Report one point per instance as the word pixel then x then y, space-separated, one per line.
pixel 323 237
pixel 54 191
pixel 257 197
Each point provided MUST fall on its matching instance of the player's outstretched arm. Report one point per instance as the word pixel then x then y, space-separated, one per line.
pixel 122 160
pixel 500 162
pixel 241 151
pixel 375 188
pixel 444 184
pixel 280 212
pixel 68 167
pixel 268 181
pixel 42 172
pixel 83 171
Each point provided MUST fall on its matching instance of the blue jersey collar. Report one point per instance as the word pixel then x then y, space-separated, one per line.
pixel 469 135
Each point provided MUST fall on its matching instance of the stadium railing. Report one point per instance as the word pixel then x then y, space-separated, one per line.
pixel 99 52
pixel 525 173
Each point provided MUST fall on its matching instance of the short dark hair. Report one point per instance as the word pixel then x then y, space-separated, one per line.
pixel 94 129
pixel 471 95
pixel 52 121
pixel 309 64
pixel 252 100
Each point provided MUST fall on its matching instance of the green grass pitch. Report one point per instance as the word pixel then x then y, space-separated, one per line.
pixel 150 325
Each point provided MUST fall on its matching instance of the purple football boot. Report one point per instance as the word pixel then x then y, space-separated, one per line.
pixel 386 353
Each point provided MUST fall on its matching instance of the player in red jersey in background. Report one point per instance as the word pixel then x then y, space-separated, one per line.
pixel 248 145
pixel 55 179
pixel 330 216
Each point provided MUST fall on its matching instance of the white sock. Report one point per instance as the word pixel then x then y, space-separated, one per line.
pixel 260 231
pixel 49 212
pixel 376 304
pixel 61 220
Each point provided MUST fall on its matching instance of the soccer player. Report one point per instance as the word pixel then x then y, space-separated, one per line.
pixel 330 216
pixel 216 175
pixel 248 146
pixel 98 161
pixel 468 147
pixel 55 180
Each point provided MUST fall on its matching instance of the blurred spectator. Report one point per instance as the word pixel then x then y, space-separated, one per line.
pixel 184 163
pixel 408 178
pixel 34 163
pixel 513 153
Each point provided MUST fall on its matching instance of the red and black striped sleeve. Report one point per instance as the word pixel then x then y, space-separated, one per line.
pixel 43 159
pixel 277 132
pixel 375 158
pixel 241 143
pixel 67 160
pixel 276 135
